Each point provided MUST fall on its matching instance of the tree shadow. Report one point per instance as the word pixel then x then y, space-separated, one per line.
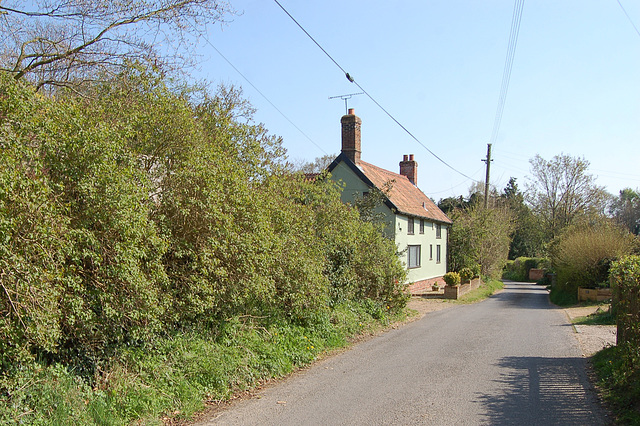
pixel 543 391
pixel 525 295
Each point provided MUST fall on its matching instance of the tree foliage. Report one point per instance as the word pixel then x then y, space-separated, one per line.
pixel 528 236
pixel 626 209
pixel 582 254
pixel 65 43
pixel 480 236
pixel 139 210
pixel 561 190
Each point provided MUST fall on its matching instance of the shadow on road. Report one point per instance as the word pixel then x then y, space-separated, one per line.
pixel 544 391
pixel 524 296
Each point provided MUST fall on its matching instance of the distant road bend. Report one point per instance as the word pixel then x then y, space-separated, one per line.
pixel 510 360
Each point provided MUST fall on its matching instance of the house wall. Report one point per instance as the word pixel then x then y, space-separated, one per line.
pixel 429 267
pixel 353 188
pixel 397 226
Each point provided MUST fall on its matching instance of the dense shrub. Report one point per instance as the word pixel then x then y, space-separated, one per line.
pixel 480 236
pixel 451 278
pixel 466 274
pixel 518 269
pixel 581 255
pixel 625 282
pixel 619 367
pixel 136 211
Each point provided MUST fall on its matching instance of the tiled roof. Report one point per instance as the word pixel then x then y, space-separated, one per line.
pixel 405 196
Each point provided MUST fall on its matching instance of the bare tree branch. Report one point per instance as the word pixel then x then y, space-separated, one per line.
pixel 55 43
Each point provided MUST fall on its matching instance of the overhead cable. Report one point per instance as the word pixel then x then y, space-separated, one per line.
pixel 629 18
pixel 264 96
pixel 508 66
pixel 352 80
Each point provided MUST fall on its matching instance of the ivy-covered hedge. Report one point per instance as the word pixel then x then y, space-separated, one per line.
pixel 625 282
pixel 136 210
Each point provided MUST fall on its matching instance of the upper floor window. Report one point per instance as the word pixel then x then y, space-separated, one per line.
pixel 410 226
pixel 422 226
pixel 438 231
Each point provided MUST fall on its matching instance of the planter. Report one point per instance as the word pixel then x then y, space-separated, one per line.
pixel 594 294
pixel 459 290
pixel 452 292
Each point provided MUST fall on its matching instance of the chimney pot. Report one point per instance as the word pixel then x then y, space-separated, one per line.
pixel 351 111
pixel 409 168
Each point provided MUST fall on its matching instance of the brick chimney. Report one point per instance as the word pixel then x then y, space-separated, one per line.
pixel 351 136
pixel 409 168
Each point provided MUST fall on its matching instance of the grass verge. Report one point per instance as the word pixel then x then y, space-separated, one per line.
pixel 599 317
pixel 488 287
pixel 175 376
pixel 618 371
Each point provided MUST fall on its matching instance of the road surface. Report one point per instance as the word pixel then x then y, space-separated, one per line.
pixel 512 359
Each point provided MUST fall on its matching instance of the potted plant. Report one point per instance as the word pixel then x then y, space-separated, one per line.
pixel 466 274
pixel 452 279
pixel 435 287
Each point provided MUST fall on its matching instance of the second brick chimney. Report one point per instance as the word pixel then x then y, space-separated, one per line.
pixel 351 136
pixel 409 168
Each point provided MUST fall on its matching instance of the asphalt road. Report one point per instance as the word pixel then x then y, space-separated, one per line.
pixel 512 359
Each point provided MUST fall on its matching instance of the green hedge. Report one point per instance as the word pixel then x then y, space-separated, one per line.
pixel 518 270
pixel 135 211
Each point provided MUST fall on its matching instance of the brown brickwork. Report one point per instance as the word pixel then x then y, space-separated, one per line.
pixel 351 145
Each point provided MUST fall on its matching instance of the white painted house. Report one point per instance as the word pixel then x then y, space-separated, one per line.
pixel 417 225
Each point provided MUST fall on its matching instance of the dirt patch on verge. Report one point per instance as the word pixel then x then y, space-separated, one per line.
pixel 423 306
pixel 592 338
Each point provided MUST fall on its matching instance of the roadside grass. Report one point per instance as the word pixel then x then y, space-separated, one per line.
pixel 599 317
pixel 618 372
pixel 562 298
pixel 488 287
pixel 174 377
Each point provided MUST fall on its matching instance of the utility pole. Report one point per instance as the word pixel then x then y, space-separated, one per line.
pixel 488 160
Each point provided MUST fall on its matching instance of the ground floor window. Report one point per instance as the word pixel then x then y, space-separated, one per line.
pixel 430 251
pixel 438 253
pixel 414 256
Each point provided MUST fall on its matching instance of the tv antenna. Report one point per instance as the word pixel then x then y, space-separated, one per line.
pixel 345 98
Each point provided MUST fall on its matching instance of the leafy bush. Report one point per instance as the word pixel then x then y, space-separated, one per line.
pixel 466 274
pixel 518 270
pixel 480 236
pixel 136 213
pixel 582 254
pixel 451 278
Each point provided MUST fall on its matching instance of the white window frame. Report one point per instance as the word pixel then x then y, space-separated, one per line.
pixel 414 255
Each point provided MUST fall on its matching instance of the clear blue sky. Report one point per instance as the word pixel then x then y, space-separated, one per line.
pixel 437 66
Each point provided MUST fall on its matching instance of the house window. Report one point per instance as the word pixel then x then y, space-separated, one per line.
pixel 438 231
pixel 430 251
pixel 414 257
pixel 422 226
pixel 410 226
pixel 438 253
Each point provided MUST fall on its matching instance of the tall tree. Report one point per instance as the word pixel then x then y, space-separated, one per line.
pixel 67 42
pixel 561 190
pixel 626 209
pixel 527 236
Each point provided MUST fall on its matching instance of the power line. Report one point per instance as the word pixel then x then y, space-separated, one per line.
pixel 629 18
pixel 264 96
pixel 508 66
pixel 352 80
